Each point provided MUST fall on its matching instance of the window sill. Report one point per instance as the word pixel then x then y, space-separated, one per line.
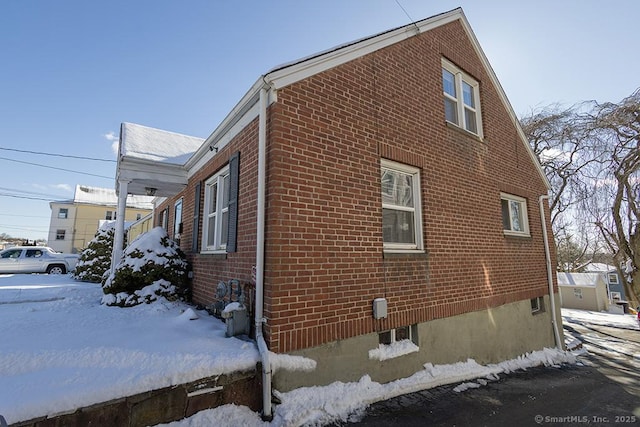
pixel 399 253
pixel 516 234
pixel 470 134
pixel 215 254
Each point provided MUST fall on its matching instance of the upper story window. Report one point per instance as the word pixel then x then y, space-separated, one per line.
pixel 461 99
pixel 613 278
pixel 216 205
pixel 401 207
pixel 63 213
pixel 514 215
pixel 110 215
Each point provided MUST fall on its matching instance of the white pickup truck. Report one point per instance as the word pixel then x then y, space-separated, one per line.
pixel 36 259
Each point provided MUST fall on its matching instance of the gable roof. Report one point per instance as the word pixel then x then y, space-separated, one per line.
pixel 298 70
pixel 579 279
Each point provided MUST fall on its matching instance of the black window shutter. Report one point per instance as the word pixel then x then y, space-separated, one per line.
pixel 196 217
pixel 234 178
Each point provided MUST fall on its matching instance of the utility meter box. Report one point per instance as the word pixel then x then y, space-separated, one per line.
pixel 237 322
pixel 379 308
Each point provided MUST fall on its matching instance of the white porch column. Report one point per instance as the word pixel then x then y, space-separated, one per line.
pixel 118 239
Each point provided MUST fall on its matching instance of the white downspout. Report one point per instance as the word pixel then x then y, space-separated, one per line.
pixel 547 254
pixel 260 220
pixel 118 238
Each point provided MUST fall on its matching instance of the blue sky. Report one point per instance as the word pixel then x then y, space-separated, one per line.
pixel 72 71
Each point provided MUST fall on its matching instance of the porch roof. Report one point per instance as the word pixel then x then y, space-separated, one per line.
pixel 152 160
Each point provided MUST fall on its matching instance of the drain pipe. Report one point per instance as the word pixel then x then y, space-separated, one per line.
pixel 260 219
pixel 554 323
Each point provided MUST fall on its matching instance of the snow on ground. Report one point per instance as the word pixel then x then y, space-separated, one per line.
pixel 62 350
pixel 623 321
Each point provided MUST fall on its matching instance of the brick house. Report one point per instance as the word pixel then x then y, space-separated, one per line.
pixel 377 192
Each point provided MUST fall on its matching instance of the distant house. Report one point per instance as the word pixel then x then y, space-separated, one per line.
pixel 75 222
pixel 584 291
pixel 615 287
pixel 378 194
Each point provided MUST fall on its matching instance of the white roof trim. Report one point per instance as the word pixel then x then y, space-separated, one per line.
pixel 301 69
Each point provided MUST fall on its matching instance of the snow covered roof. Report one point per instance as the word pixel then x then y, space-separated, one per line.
pixel 598 267
pixel 107 197
pixel 579 279
pixel 157 145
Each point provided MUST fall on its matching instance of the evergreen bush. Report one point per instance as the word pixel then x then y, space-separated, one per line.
pixel 95 260
pixel 152 266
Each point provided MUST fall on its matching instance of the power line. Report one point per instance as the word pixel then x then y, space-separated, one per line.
pixel 15 196
pixel 52 167
pixel 58 155
pixel 26 192
pixel 405 12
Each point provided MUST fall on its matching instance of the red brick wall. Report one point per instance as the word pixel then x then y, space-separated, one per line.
pixel 324 257
pixel 209 269
pixel 324 262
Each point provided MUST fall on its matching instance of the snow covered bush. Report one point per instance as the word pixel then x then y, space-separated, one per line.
pixel 95 260
pixel 152 266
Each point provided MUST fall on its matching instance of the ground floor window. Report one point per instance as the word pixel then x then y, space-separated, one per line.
pixel 401 207
pixel 60 234
pixel 514 215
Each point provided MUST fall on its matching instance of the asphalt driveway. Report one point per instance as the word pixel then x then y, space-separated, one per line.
pixel 602 390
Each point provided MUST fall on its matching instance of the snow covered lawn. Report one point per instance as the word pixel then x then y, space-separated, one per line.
pixel 61 350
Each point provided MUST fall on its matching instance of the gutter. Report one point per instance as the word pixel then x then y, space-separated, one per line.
pixel 554 323
pixel 260 220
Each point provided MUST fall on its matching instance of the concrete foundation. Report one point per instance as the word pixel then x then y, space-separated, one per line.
pixel 488 336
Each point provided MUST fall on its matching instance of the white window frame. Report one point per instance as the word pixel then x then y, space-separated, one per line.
pixel 537 305
pixel 217 245
pixel 63 213
pixel 523 209
pixel 613 276
pixel 460 77
pixel 616 296
pixel 417 208
pixel 177 220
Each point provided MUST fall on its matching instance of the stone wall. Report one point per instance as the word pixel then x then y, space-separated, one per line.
pixel 163 405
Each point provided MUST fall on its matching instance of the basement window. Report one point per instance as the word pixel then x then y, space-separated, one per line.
pixel 537 305
pixel 395 343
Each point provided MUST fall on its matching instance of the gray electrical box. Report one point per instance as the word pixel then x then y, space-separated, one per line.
pixel 379 308
pixel 237 322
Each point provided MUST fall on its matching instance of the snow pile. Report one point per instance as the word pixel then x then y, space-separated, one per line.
pixel 346 402
pixel 395 349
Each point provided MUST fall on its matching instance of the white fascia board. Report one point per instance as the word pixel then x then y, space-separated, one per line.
pixel 246 110
pixel 341 55
pixel 147 169
pixel 503 97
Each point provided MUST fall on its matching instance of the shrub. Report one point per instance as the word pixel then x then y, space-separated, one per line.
pixel 152 266
pixel 95 260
